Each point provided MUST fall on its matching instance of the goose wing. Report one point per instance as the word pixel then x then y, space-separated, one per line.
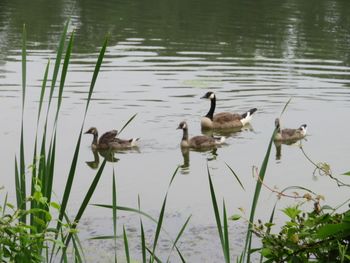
pixel 108 137
pixel 224 117
pixel 202 141
pixel 288 133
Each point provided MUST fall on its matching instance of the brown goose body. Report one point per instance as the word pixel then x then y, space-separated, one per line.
pixel 223 120
pixel 199 141
pixel 285 135
pixel 108 140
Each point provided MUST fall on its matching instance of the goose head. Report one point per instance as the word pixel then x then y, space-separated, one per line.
pixel 182 125
pixel 92 131
pixel 277 123
pixel 209 95
pixel 303 129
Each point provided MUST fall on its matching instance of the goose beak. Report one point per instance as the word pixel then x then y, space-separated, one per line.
pixel 87 132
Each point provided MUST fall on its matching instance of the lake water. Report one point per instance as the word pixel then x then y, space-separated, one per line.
pixel 161 58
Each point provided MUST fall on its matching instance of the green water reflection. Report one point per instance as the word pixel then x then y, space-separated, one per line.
pixel 293 28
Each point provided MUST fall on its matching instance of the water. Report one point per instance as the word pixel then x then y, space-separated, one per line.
pixel 161 58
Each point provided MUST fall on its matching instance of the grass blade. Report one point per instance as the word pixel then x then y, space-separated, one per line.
pixel 262 172
pixel 181 257
pixel 22 180
pixel 127 123
pixel 226 237
pixel 173 176
pixel 51 169
pixel 42 93
pixel 114 214
pixel 96 71
pixel 178 237
pixel 126 246
pixel 285 107
pixel 64 74
pixel 58 61
pixel 86 200
pixel 24 65
pixel 69 183
pixel 17 185
pixel 128 209
pixel 237 178
pixel 159 226
pixel 153 255
pixel 143 243
pixel 216 212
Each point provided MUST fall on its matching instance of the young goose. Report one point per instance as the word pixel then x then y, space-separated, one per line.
pixel 198 142
pixel 223 120
pixel 108 140
pixel 285 135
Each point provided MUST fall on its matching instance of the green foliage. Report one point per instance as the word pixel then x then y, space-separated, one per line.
pixel 313 236
pixel 21 242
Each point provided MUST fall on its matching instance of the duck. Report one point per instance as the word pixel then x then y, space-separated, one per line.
pixel 289 135
pixel 199 141
pixel 224 120
pixel 108 140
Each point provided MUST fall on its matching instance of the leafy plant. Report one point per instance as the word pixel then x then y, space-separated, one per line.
pixel 316 236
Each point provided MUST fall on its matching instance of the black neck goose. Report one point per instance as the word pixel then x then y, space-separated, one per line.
pixel 223 120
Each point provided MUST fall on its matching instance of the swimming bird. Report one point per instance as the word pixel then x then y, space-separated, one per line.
pixel 223 120
pixel 198 142
pixel 108 140
pixel 287 135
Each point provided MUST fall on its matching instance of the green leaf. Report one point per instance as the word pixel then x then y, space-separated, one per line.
pixel 55 205
pixel 332 230
pixel 347 173
pixel 235 217
pixel 291 212
pixel 266 252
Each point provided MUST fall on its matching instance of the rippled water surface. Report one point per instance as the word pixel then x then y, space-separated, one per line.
pixel 162 57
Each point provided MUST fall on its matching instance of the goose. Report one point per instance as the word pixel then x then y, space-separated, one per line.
pixel 198 142
pixel 287 135
pixel 108 140
pixel 223 120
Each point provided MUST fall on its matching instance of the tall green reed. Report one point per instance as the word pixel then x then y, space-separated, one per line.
pixel 43 167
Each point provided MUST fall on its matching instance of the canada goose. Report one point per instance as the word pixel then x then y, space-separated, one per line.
pixel 285 135
pixel 198 142
pixel 223 120
pixel 108 140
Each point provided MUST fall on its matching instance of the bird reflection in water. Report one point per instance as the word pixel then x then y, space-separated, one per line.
pixel 185 167
pixel 278 145
pixel 232 132
pixel 107 154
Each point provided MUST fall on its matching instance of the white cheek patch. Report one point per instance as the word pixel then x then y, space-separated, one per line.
pixel 212 96
pixel 184 126
pixel 304 130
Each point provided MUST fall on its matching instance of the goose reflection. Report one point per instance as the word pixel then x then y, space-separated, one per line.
pixel 185 166
pixel 278 146
pixel 106 154
pixel 232 132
